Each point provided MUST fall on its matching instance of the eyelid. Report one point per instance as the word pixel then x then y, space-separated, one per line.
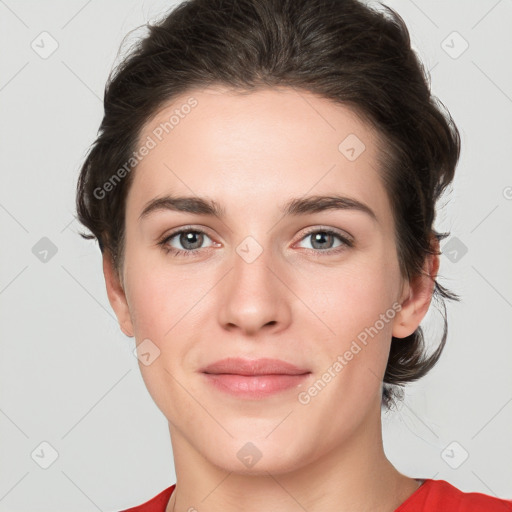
pixel 346 237
pixel 164 240
pixel 195 228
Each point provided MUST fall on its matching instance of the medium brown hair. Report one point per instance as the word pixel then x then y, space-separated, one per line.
pixel 341 50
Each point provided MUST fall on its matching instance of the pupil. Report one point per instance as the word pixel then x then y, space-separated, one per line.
pixel 191 240
pixel 321 238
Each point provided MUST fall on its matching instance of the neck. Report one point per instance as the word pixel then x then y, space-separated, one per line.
pixel 355 475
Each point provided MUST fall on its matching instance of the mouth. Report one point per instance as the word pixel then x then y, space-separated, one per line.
pixel 254 386
pixel 254 379
pixel 254 367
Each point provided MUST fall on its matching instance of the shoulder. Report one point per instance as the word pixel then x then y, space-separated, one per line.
pixel 156 504
pixel 441 496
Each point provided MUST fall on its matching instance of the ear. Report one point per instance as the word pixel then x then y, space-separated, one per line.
pixel 417 295
pixel 116 295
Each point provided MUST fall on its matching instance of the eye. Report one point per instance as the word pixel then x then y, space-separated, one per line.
pixel 186 241
pixel 326 239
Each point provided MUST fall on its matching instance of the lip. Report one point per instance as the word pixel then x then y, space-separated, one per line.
pixel 254 379
pixel 264 366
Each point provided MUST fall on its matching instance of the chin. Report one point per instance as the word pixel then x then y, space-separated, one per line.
pixel 258 456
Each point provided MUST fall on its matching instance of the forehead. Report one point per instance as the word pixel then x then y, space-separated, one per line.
pixel 267 143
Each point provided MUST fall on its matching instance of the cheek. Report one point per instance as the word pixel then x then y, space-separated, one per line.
pixel 160 294
pixel 353 296
pixel 149 309
pixel 356 303
pixel 164 305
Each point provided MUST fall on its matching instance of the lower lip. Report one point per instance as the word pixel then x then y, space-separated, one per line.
pixel 254 386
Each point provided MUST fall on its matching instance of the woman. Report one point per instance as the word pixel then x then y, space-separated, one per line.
pixel 263 190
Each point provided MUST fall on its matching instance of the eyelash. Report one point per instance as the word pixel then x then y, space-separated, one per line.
pixel 346 242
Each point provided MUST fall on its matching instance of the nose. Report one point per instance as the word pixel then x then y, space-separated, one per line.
pixel 253 299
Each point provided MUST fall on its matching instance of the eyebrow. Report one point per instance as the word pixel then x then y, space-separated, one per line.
pixel 294 207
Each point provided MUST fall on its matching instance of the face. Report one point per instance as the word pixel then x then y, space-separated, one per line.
pixel 297 263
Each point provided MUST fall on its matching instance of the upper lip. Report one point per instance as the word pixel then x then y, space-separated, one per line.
pixel 264 366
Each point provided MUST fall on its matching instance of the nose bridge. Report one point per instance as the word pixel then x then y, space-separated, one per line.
pixel 251 264
pixel 253 296
pixel 251 275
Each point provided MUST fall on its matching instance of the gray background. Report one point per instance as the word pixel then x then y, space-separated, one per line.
pixel 67 374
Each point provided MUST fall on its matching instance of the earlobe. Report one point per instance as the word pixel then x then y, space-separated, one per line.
pixel 416 298
pixel 116 295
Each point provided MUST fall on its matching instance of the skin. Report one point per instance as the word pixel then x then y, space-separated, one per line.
pixel 251 153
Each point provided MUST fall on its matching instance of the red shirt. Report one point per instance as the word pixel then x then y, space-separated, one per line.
pixel 431 496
